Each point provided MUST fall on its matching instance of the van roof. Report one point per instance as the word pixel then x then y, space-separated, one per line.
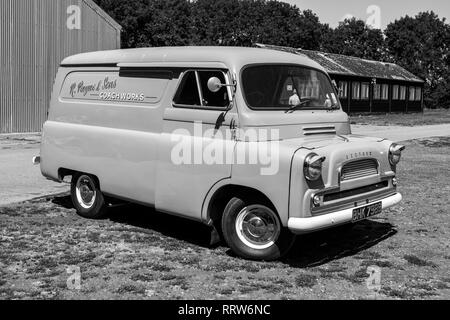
pixel 231 56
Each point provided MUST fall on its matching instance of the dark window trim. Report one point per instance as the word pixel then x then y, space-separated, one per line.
pixel 419 96
pixel 345 94
pixel 361 93
pixel 283 64
pixel 360 88
pixel 89 65
pixel 393 92
pixel 201 107
pixel 400 93
pixel 373 92
pixel 386 86
pixel 152 72
pixel 410 90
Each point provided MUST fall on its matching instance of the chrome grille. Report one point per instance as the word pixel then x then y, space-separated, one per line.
pixel 309 131
pixel 359 169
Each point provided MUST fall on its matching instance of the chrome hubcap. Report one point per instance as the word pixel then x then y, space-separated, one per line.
pixel 85 191
pixel 257 226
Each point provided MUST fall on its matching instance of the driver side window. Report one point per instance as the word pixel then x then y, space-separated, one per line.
pixel 193 90
pixel 213 99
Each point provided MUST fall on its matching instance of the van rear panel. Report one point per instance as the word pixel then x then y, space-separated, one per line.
pixel 107 124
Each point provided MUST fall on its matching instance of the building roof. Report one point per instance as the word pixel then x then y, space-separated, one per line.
pixel 103 14
pixel 338 64
pixel 229 56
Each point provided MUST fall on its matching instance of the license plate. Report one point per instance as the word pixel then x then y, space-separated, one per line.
pixel 367 211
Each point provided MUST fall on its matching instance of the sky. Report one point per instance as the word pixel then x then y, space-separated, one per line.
pixel 333 11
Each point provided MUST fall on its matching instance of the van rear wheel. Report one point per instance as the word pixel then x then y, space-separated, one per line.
pixel 254 231
pixel 86 196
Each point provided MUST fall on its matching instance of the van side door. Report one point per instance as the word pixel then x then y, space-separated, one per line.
pixel 197 143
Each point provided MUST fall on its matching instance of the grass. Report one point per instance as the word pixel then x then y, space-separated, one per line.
pixel 428 117
pixel 140 254
pixel 418 262
pixel 306 280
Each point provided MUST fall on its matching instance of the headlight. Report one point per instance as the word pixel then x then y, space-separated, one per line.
pixel 313 167
pixel 395 153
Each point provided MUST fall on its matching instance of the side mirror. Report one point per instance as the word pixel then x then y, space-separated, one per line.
pixel 214 84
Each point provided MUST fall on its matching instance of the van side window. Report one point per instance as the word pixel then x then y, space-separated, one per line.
pixel 188 91
pixel 213 99
pixel 193 90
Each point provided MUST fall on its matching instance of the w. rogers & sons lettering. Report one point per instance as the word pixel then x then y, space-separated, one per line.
pixel 100 90
pixel 84 89
pixel 121 96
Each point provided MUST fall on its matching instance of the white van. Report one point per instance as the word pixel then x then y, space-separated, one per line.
pixel 250 141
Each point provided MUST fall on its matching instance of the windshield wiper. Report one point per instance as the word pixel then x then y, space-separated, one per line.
pixel 297 106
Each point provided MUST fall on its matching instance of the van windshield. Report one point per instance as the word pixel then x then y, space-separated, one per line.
pixel 284 87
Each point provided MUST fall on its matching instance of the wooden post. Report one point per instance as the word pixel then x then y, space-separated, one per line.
pixel 408 88
pixel 422 92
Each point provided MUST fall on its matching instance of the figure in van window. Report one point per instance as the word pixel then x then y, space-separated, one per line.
pixel 294 100
pixel 328 103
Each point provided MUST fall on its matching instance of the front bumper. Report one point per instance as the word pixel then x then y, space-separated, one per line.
pixel 333 219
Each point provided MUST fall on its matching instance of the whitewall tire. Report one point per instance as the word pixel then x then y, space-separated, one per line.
pixel 86 196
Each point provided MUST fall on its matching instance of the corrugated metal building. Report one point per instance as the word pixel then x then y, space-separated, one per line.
pixel 367 85
pixel 35 36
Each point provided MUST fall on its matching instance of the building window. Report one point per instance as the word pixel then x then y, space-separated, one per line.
pixel 343 89
pixel 385 92
pixel 402 92
pixel 418 94
pixel 412 94
pixel 356 90
pixel 365 89
pixel 377 92
pixel 395 92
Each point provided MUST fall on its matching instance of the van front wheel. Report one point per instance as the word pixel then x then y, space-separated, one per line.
pixel 253 231
pixel 86 197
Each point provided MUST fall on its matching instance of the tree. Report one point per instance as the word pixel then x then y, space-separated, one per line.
pixel 126 13
pixel 151 22
pixel 354 38
pixel 245 22
pixel 164 23
pixel 214 22
pixel 421 45
pixel 307 31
